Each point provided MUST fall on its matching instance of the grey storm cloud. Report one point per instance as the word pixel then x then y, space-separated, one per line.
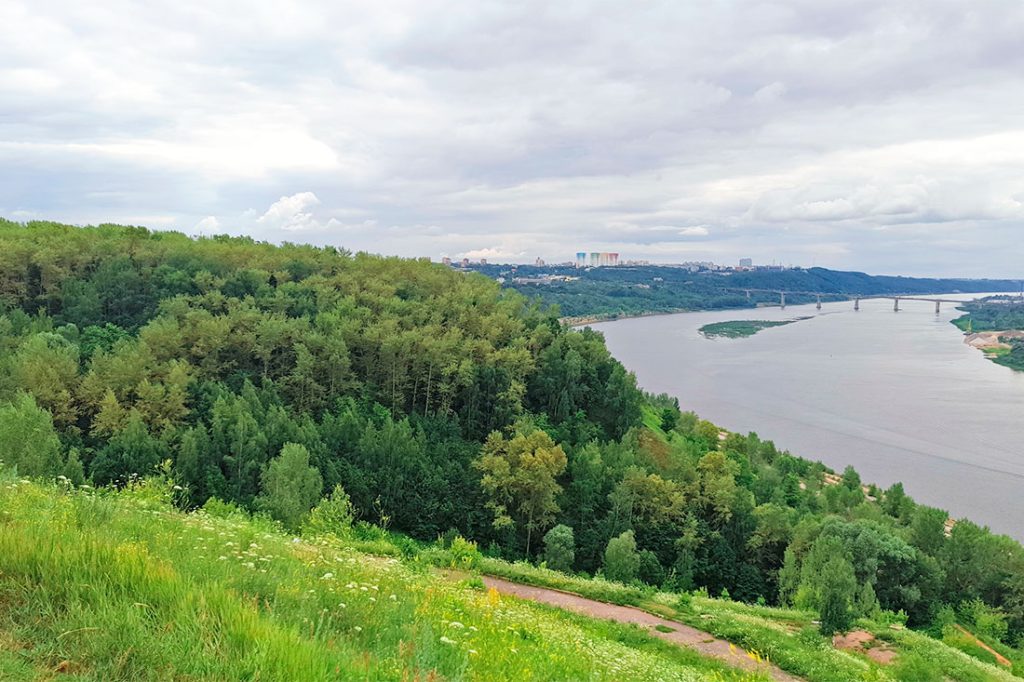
pixel 883 136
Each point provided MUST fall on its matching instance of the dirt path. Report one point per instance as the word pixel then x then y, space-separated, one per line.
pixel 683 635
pixel 1002 660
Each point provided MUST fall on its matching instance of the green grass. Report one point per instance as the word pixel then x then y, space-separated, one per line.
pixel 102 585
pixel 736 329
pixel 120 586
pixel 786 637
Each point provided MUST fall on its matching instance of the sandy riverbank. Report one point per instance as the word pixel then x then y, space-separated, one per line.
pixel 992 340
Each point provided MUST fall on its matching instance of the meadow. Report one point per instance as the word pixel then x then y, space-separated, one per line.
pixel 104 585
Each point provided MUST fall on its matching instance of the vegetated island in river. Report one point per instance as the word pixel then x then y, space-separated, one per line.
pixel 995 325
pixel 738 329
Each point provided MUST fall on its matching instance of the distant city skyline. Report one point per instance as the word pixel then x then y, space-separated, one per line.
pixel 878 136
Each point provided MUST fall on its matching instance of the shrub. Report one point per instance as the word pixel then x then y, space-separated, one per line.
pixel 560 548
pixel 290 486
pixel 464 554
pixel 651 571
pixel 333 515
pixel 911 666
pixel 224 510
pixel 621 560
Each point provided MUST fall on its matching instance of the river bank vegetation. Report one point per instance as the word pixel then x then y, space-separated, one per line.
pixel 997 314
pixel 412 402
pixel 738 329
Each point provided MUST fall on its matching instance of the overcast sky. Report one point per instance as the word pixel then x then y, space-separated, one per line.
pixel 885 136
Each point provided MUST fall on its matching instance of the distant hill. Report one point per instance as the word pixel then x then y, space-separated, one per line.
pixel 628 290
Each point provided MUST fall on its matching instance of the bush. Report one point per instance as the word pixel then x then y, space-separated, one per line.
pixel 911 666
pixel 621 560
pixel 224 510
pixel 290 486
pixel 984 620
pixel 331 516
pixel 560 548
pixel 651 571
pixel 464 554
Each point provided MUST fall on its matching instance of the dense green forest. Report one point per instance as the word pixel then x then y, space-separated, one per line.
pixel 629 290
pixel 439 403
pixel 997 313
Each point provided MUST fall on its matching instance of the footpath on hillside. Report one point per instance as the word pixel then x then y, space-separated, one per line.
pixel 677 633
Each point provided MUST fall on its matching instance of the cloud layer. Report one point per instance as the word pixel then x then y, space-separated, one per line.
pixel 883 136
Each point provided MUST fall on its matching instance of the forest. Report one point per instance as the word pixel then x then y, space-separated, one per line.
pixel 437 404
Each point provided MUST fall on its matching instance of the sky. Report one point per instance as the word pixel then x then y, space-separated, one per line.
pixel 879 135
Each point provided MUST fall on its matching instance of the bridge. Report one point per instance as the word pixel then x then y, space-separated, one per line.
pixel 856 298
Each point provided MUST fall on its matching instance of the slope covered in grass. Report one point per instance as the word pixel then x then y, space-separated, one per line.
pixel 120 586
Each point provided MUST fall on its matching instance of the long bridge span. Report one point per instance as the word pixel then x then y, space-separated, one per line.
pixel 856 298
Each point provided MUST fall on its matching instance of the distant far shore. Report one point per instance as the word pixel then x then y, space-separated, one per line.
pixel 583 320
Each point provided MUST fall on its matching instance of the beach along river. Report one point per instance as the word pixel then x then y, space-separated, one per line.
pixel 897 395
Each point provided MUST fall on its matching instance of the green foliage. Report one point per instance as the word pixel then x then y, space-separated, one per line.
pixel 650 571
pixel 519 477
pixel 983 620
pixel 333 515
pixel 738 329
pixel 828 585
pixel 464 554
pixel 560 548
pixel 607 293
pixel 154 596
pixel 621 560
pixel 28 440
pixel 916 667
pixel 291 487
pixel 73 471
pixel 121 349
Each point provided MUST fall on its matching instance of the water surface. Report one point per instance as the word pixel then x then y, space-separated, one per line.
pixel 897 395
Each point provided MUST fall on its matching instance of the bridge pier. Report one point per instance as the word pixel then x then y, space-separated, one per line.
pixel 819 301
pixel 856 304
pixel 782 299
pixel 937 307
pixel 896 304
pixel 748 295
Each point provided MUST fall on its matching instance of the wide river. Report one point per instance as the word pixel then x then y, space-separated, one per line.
pixel 897 395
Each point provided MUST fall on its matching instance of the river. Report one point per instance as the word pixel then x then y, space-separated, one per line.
pixel 897 395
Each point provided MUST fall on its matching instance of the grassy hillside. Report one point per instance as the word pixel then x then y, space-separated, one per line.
pixel 99 585
pixel 105 585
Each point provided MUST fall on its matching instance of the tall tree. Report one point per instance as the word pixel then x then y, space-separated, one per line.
pixel 520 479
